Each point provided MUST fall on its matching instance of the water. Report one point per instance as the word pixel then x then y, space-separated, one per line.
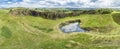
pixel 72 27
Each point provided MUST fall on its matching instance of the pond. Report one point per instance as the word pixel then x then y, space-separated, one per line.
pixel 71 27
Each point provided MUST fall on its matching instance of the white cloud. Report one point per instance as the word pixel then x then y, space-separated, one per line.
pixel 67 3
pixel 9 2
pixel 26 0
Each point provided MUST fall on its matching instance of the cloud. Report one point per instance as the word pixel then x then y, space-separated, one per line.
pixel 26 0
pixel 61 3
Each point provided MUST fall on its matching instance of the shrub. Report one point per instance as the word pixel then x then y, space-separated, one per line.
pixel 74 14
pixel 104 11
pixel 89 12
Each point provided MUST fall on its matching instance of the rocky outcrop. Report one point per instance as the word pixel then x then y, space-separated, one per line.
pixel 23 12
pixel 48 15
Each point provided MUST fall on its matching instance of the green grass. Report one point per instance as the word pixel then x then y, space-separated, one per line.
pixel 19 32
pixel 6 32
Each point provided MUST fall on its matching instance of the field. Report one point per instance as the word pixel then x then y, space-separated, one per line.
pixel 28 32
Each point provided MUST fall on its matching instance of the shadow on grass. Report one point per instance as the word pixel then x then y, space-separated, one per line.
pixel 105 29
pixel 6 32
pixel 116 17
pixel 44 29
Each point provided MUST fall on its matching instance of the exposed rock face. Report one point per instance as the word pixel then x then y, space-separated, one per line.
pixel 48 15
pixel 23 12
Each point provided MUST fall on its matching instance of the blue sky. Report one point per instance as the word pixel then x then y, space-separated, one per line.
pixel 61 3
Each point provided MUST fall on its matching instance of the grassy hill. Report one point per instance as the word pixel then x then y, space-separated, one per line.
pixel 28 32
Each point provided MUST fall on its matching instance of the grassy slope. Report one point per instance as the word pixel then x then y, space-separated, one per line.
pixel 37 33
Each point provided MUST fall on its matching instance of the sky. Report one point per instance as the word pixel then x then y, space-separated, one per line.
pixel 61 3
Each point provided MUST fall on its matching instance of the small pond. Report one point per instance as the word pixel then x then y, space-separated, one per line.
pixel 71 26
